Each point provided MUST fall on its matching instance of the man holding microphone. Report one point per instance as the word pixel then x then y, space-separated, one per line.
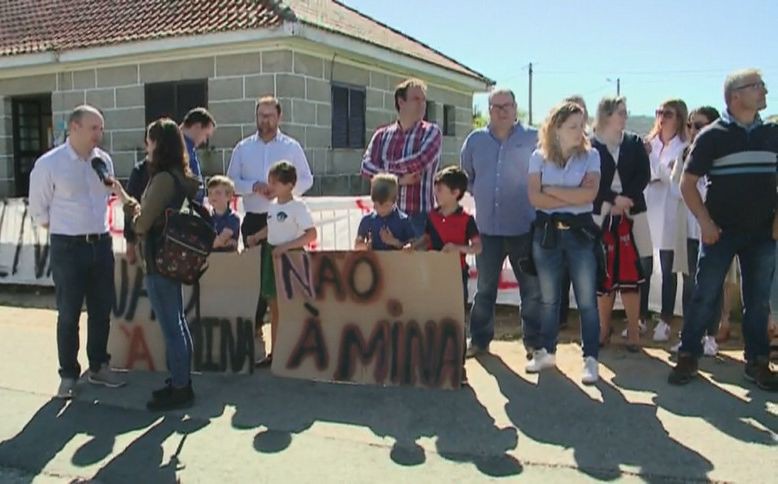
pixel 69 197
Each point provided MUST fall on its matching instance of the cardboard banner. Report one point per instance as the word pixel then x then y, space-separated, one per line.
pixel 388 318
pixel 220 310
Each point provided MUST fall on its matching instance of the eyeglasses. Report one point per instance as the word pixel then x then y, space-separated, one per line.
pixel 503 107
pixel 698 125
pixel 665 113
pixel 752 85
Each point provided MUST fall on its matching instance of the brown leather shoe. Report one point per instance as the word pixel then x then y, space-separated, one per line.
pixel 760 373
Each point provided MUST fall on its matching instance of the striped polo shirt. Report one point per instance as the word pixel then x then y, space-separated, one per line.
pixel 741 163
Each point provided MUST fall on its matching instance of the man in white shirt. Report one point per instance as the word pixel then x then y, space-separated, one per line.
pixel 249 166
pixel 69 198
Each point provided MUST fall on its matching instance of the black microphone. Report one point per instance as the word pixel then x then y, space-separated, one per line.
pixel 101 168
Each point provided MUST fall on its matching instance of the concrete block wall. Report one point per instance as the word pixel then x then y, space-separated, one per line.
pixel 7 187
pixel 300 80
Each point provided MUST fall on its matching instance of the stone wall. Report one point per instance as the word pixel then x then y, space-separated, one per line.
pixel 301 81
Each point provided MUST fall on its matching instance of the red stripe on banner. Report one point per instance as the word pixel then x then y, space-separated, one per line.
pixel 112 200
pixel 502 283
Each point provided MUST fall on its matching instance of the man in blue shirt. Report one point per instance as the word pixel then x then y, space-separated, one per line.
pixel 496 160
pixel 197 127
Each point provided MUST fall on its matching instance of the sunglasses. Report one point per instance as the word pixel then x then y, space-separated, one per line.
pixel 665 113
pixel 698 125
pixel 753 85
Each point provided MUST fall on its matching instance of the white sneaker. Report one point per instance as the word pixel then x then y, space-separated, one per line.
pixel 662 331
pixel 67 388
pixel 641 325
pixel 591 371
pixel 260 353
pixel 541 359
pixel 709 346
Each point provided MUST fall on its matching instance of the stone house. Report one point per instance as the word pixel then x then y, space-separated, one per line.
pixel 333 68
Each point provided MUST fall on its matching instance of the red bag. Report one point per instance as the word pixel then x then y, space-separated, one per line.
pixel 622 262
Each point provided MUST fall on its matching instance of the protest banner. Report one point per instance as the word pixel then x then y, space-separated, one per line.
pixel 389 318
pixel 220 309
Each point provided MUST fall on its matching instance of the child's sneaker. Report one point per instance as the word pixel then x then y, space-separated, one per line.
pixel 260 353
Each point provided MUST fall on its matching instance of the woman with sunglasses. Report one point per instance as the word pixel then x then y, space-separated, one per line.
pixel 668 140
pixel 625 171
pixel 688 233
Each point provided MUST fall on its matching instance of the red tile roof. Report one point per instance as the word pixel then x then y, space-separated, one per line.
pixel 334 16
pixel 30 26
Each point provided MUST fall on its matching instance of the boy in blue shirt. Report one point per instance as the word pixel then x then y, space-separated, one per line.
pixel 386 227
pixel 225 222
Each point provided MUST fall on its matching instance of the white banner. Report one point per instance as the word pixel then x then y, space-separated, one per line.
pixel 24 248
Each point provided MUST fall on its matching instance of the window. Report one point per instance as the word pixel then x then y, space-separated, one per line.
pixel 348 117
pixel 174 99
pixel 449 120
pixel 32 136
pixel 430 114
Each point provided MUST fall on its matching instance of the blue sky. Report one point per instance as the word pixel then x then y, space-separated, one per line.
pixel 659 48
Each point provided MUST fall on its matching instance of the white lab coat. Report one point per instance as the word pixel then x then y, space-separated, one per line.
pixel 662 195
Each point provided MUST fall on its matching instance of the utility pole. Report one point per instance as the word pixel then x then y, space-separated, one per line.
pixel 530 94
pixel 618 86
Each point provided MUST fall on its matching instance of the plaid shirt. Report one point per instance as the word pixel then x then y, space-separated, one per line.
pixel 417 150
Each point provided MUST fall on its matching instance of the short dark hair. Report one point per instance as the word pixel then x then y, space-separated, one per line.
pixel 199 116
pixel 284 172
pixel 708 111
pixel 454 178
pixel 401 91
pixel 383 188
pixel 268 100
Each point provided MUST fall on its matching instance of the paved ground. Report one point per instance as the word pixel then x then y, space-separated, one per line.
pixel 632 426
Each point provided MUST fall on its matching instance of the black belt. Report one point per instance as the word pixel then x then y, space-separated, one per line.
pixel 88 238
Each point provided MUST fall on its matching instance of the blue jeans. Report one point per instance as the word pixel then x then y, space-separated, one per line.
pixel 693 250
pixel 418 223
pixel 575 253
pixel 168 305
pixel 669 284
pixel 82 270
pixel 756 253
pixel 489 264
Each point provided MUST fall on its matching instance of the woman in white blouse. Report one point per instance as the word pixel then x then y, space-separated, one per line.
pixel 667 138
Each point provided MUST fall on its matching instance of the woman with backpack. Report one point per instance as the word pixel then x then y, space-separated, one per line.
pixel 171 182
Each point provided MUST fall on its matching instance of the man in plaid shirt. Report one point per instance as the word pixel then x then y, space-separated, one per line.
pixel 410 149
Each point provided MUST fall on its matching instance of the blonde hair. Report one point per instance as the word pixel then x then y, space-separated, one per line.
pixel 606 108
pixel 383 188
pixel 222 181
pixel 734 79
pixel 548 144
pixel 681 115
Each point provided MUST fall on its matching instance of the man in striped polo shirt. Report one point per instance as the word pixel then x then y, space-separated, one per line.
pixel 738 153
pixel 409 148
